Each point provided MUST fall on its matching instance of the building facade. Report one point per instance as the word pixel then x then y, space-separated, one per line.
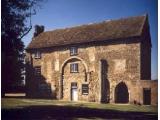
pixel 106 62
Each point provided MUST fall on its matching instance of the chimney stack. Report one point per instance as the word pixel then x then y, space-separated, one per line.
pixel 38 29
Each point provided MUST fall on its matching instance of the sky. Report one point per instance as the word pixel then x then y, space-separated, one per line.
pixel 56 14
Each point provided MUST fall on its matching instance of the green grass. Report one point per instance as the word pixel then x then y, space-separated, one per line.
pixel 15 103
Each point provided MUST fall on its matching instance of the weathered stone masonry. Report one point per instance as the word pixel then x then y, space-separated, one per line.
pixel 107 67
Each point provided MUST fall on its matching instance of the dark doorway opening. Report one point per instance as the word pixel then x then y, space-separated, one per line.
pixel 105 86
pixel 146 96
pixel 121 93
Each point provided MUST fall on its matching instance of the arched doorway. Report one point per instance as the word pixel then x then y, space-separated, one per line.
pixel 121 93
pixel 69 78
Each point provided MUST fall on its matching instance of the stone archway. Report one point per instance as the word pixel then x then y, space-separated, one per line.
pixel 73 58
pixel 121 93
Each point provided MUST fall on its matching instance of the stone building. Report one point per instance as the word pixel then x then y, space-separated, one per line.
pixel 106 62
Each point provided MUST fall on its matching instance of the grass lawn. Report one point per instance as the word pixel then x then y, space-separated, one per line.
pixel 8 103
pixel 80 109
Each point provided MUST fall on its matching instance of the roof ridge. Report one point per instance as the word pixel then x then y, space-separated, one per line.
pixel 122 28
pixel 94 23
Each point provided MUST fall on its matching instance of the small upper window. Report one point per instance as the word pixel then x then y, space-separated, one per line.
pixel 37 54
pixel 74 67
pixel 73 51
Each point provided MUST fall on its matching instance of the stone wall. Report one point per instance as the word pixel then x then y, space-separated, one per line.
pixel 123 65
pixel 153 86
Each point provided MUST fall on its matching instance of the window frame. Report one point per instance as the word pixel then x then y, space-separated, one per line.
pixel 84 89
pixel 73 50
pixel 37 55
pixel 37 70
pixel 74 68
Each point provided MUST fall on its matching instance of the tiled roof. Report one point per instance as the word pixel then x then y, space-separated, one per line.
pixel 106 30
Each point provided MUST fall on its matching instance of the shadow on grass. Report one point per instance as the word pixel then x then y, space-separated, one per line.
pixel 70 113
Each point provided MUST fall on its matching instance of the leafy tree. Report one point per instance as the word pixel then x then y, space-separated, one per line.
pixel 15 14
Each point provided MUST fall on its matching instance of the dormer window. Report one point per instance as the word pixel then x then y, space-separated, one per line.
pixel 37 55
pixel 73 51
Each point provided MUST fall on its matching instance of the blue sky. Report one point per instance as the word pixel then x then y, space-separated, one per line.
pixel 56 14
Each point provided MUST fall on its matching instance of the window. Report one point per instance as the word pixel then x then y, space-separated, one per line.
pixel 85 90
pixel 74 85
pixel 74 67
pixel 37 55
pixel 38 70
pixel 73 51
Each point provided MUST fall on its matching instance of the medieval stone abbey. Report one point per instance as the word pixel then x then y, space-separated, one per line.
pixel 107 62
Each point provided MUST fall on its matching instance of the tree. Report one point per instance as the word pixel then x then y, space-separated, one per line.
pixel 14 27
